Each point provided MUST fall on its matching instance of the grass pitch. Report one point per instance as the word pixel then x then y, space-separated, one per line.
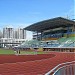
pixel 33 52
pixel 4 51
pixel 9 51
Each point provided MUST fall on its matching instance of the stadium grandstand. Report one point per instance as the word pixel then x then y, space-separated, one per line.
pixel 55 34
pixel 53 29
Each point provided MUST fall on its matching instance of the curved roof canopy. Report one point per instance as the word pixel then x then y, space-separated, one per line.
pixel 49 24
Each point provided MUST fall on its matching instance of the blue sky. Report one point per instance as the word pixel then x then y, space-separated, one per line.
pixel 21 13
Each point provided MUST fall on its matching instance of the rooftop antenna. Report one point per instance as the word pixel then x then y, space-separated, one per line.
pixel 71 17
pixel 68 17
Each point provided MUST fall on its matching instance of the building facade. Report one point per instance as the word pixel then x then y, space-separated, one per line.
pixel 8 32
pixel 12 37
pixel 20 33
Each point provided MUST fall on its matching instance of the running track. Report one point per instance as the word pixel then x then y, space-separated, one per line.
pixel 32 64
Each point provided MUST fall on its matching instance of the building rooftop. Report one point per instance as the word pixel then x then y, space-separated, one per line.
pixel 49 24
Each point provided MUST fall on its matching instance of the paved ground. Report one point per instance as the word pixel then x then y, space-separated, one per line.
pixel 39 65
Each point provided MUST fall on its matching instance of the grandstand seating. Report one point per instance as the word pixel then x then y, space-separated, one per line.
pixel 72 45
pixel 62 42
pixel 66 42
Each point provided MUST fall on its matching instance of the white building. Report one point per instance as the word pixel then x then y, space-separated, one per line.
pixel 35 35
pixel 8 32
pixel 13 37
pixel 9 42
pixel 20 33
pixel 1 35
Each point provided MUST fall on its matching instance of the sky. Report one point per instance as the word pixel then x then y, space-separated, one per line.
pixel 22 13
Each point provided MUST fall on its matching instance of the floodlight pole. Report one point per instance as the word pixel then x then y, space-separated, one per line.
pixel 73 25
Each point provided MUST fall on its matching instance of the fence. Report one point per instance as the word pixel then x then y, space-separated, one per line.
pixel 67 68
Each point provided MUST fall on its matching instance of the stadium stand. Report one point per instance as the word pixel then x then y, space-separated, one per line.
pixel 62 42
pixel 52 33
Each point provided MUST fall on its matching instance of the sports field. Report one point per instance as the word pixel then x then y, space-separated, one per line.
pixel 9 51
pixel 5 51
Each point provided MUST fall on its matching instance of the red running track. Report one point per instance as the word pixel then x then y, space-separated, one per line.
pixel 23 58
pixel 32 64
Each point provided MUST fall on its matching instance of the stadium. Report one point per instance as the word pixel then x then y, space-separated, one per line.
pixel 51 52
pixel 55 33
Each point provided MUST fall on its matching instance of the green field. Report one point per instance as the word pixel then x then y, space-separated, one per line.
pixel 4 51
pixel 32 52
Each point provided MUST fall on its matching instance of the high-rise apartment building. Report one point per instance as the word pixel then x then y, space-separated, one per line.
pixel 1 35
pixel 20 33
pixel 11 35
pixel 8 32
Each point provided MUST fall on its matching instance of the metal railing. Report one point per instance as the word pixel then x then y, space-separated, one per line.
pixel 66 70
pixel 58 69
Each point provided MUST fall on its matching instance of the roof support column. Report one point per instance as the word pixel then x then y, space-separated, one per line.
pixel 41 36
pixel 68 32
pixel 37 35
pixel 73 27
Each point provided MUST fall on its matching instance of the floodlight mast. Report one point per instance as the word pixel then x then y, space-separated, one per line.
pixel 69 17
